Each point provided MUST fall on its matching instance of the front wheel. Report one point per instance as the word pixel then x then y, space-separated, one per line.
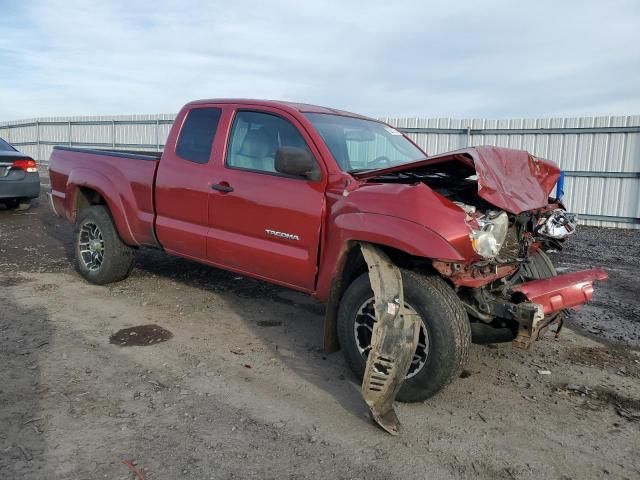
pixel 444 339
pixel 101 256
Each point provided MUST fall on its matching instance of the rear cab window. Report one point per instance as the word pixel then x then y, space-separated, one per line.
pixel 197 133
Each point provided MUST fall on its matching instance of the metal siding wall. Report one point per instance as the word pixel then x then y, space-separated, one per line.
pixel 120 132
pixel 581 152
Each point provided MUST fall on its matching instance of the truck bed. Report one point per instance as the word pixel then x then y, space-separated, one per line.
pixel 123 179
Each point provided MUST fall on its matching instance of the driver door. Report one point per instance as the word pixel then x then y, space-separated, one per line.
pixel 261 222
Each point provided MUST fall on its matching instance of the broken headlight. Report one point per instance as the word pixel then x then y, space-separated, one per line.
pixel 488 240
pixel 557 225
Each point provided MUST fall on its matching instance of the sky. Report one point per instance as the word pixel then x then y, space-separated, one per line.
pixel 458 59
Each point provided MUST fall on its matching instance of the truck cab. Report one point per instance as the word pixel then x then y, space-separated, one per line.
pixel 236 210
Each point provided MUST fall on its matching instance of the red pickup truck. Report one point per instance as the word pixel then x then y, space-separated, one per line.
pixel 291 193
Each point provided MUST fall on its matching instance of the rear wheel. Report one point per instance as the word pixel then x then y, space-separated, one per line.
pixel 101 256
pixel 444 337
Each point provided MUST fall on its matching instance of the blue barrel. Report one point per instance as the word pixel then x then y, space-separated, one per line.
pixel 560 186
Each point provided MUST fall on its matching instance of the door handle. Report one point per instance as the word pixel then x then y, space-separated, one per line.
pixel 223 187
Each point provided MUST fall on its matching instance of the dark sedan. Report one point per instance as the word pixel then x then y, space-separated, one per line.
pixel 19 178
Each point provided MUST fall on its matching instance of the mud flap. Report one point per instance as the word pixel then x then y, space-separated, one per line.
pixel 394 339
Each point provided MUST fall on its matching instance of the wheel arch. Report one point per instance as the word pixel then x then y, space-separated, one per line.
pixel 86 188
pixel 86 197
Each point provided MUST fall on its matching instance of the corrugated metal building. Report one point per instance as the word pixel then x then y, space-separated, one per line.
pixel 601 155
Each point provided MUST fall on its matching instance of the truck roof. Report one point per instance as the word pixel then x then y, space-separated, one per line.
pixel 296 106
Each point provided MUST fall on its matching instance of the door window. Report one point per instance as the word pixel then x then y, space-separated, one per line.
pixel 256 137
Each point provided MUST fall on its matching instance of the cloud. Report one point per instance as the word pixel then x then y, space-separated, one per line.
pixel 446 59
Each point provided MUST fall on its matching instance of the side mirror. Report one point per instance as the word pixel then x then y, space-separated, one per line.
pixel 297 162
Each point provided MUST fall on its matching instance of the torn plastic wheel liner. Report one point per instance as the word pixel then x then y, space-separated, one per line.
pixel 394 339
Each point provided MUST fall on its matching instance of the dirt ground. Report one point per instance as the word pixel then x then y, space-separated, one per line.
pixel 240 387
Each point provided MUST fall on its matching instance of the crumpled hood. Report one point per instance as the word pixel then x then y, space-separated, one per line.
pixel 512 180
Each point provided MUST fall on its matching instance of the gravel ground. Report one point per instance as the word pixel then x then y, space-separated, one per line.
pixel 240 388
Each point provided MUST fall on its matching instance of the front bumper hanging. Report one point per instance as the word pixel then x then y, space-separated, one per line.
pixel 537 305
pixel 546 298
pixel 562 291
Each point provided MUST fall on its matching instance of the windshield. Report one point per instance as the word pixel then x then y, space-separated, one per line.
pixel 358 144
pixel 4 146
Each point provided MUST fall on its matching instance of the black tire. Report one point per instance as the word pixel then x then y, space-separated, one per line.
pixel 537 267
pixel 541 265
pixel 19 204
pixel 11 203
pixel 444 318
pixel 117 257
pixel 23 204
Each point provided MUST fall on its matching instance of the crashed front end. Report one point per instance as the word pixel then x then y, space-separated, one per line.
pixel 493 207
pixel 507 285
pixel 513 288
